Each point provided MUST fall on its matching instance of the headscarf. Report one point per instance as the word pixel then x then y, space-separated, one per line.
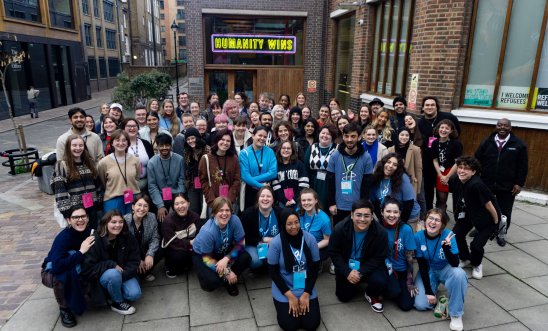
pixel 295 241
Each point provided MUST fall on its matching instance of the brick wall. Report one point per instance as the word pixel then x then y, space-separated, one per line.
pixel 314 41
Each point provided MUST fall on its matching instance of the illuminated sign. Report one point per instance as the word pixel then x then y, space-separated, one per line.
pixel 244 43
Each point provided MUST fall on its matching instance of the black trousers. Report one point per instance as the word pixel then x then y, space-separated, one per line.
pixel 178 261
pixel 476 251
pixel 429 180
pixel 209 279
pixel 250 196
pixel 506 203
pixel 288 322
pixel 376 284
pixel 397 290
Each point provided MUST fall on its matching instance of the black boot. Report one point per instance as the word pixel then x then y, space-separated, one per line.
pixel 67 318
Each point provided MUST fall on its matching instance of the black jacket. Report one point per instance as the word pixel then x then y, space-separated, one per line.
pixel 501 171
pixel 374 249
pixel 250 223
pixel 426 129
pixel 98 261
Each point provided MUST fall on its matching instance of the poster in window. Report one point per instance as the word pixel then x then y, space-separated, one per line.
pixel 541 98
pixel 479 95
pixel 513 97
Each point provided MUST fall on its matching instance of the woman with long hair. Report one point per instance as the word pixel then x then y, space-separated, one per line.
pixel 90 124
pixel 310 133
pixel 153 105
pixel 215 110
pixel 138 147
pixel 113 261
pixel 307 113
pixel 324 116
pixel 284 132
pixel 365 116
pixel 390 180
pixel 241 100
pixel 372 145
pixel 168 118
pixel 300 101
pixel 415 134
pixel 314 220
pixel 296 119
pixel 254 117
pixel 109 126
pixel 341 123
pixel 291 177
pixel 75 181
pixel 411 156
pixel 195 148
pixel 384 130
pixel 152 130
pixel 293 260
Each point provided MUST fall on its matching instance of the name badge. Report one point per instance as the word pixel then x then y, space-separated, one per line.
pixel 320 175
pixel 167 194
pixel 442 168
pixel 289 193
pixel 128 196
pixel 346 187
pixel 223 191
pixel 462 215
pixel 431 140
pixel 87 200
pixel 354 264
pixel 299 280
pixel 197 183
pixel 262 250
pixel 389 266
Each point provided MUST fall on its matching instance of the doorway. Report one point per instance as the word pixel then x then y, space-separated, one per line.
pixel 227 83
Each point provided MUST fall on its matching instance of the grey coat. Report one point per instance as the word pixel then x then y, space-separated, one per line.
pixel 151 237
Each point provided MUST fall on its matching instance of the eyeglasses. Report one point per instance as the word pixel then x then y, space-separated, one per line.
pixel 437 220
pixel 362 216
pixel 79 217
pixel 131 126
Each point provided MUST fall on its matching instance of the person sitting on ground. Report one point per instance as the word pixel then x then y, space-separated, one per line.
pixel 314 220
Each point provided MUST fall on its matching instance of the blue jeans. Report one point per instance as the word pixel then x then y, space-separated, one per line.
pixel 454 279
pixel 117 203
pixel 119 290
pixel 255 261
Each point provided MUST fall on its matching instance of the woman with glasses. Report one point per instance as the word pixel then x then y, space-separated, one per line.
pixel 138 147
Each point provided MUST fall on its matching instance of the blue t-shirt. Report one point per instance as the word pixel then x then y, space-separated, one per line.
pixel 268 226
pixel 356 168
pixel 405 193
pixel 210 239
pixel 275 256
pixel 406 242
pixel 357 244
pixel 318 225
pixel 431 249
pixel 258 166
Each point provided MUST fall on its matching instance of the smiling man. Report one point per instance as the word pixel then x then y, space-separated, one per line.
pixel 77 118
pixel 358 248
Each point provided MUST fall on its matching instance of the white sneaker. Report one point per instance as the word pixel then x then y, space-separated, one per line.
pixel 332 268
pixel 464 263
pixel 477 272
pixel 456 323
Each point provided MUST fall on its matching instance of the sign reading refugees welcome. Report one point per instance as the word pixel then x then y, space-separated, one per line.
pixel 243 43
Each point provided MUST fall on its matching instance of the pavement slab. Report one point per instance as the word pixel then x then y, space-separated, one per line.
pixel 226 308
pixel 353 316
pixel 263 307
pixel 535 318
pixel 159 302
pixel 517 234
pixel 167 324
pixel 96 319
pixel 518 263
pixel 36 315
pixel 239 325
pixel 540 229
pixel 534 247
pixel 538 283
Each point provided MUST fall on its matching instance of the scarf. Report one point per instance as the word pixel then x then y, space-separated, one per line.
pixel 372 150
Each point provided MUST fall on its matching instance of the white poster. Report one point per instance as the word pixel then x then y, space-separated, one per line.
pixel 513 97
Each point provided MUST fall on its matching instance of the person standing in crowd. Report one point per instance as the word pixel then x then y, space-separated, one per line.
pixel 141 116
pixel 258 165
pixel 306 112
pixel 283 133
pixel 300 101
pixel 169 120
pixel 212 98
pixel 114 261
pixel 138 147
pixel 310 134
pixel 385 133
pixel 432 116
pixel 438 258
pixel 267 121
pixel 365 117
pixel 117 112
pixel 109 126
pixel 119 173
pixel 285 101
pixel 445 150
pixel 390 180
pixel 241 134
pixel 65 257
pixel 477 208
pixel 90 123
pixel 153 105
pixel 296 119
pixel 401 248
pixel 264 103
pixel 143 226
pixel 415 134
pixel 358 248
pixel 219 254
pixel 195 111
pixel 314 220
pixel 278 115
pixel 152 130
pixel 75 181
pixel 504 162
pixel 179 229
pixel 348 174
pixel 183 104
pixel 104 110
pixel 411 156
pixel 260 223
pixel 231 110
pixel 317 161
pixel 400 112
pixel 335 114
pixel 334 104
pixel 201 126
pixel 216 110
pixel 195 148
pixel 293 260
pixel 324 116
pixel 291 177
pixel 32 95
pixel 77 118
pixel 241 100
pixel 376 106
pixel 166 176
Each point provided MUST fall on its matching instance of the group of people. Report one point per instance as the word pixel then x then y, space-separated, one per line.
pixel 269 188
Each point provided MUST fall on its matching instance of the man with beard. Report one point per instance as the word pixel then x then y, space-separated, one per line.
pixel 400 111
pixel 504 161
pixel 266 120
pixel 77 118
pixel 183 104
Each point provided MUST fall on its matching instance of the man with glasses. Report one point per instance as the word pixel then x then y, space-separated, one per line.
pixel 358 248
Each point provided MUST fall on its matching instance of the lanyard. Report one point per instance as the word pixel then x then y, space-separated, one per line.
pixel 328 151
pixel 298 254
pixel 259 164
pixel 356 250
pixel 166 177
pixel 136 150
pixel 261 217
pixel 307 228
pixel 348 170
pixel 224 234
pixel 221 169
pixel 431 257
pixel 384 189
pixel 125 168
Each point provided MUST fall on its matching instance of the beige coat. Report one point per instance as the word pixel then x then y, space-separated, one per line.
pixel 413 165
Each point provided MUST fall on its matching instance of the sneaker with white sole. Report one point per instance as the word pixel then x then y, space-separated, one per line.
pixel 332 268
pixel 122 308
pixel 376 303
pixel 477 272
pixel 150 278
pixel 456 323
pixel 464 263
pixel 170 274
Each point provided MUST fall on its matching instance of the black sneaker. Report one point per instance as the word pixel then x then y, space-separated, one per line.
pixel 67 318
pixel 170 274
pixel 501 241
pixel 122 308
pixel 232 289
pixel 473 233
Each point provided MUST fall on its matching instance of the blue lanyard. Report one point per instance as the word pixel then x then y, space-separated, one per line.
pixel 307 229
pixel 298 255
pixel 356 250
pixel 264 233
pixel 224 234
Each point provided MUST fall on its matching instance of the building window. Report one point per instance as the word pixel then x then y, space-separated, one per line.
pixel 92 66
pixel 108 10
pixel 162 4
pixel 162 16
pixel 391 47
pixel 162 28
pixel 182 41
pixel 60 13
pixel 96 8
pixel 111 38
pixel 345 51
pixel 180 14
pixel 87 34
pixel 506 78
pixel 182 54
pixel 102 68
pixel 85 7
pixel 180 3
pixel 181 27
pixel 113 66
pixel 99 36
pixel 24 10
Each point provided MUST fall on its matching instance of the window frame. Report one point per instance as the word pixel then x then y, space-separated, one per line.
pixel 113 41
pixel 87 35
pixel 529 105
pixel 110 12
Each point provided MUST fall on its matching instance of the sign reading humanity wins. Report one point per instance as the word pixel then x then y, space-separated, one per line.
pixel 243 43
